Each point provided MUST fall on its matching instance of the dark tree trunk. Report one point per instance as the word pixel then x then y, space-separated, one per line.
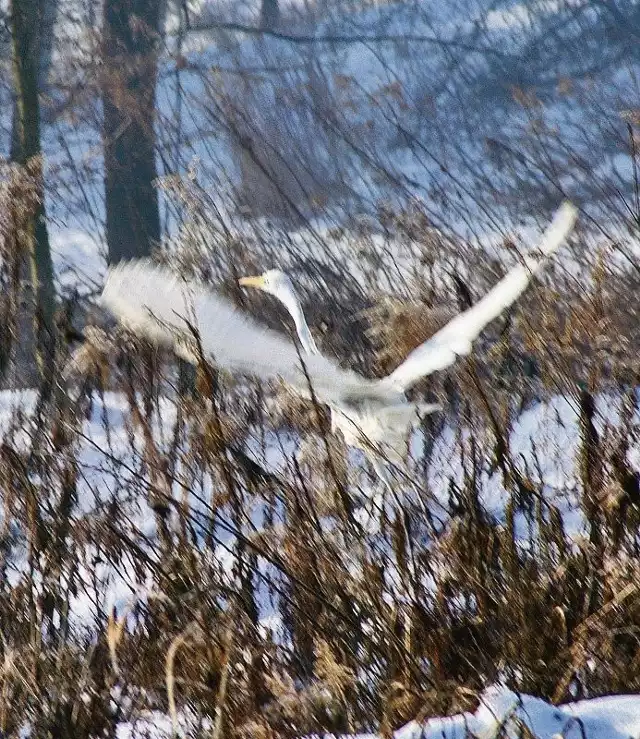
pixel 27 17
pixel 42 49
pixel 269 15
pixel 131 33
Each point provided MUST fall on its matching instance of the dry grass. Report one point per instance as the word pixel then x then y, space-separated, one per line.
pixel 374 630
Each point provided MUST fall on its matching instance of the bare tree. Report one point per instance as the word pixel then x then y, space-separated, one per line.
pixel 43 40
pixel 269 14
pixel 26 18
pixel 130 55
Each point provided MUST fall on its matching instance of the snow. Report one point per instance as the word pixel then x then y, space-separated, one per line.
pixel 372 84
pixel 501 713
pixel 615 717
pixel 393 88
pixel 110 465
pixel 601 718
pixel 518 16
pixel 500 710
pixel 78 262
pixel 544 440
pixel 155 725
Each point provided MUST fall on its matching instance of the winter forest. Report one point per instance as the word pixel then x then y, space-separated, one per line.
pixel 310 422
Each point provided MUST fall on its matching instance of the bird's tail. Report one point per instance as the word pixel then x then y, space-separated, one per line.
pixel 407 413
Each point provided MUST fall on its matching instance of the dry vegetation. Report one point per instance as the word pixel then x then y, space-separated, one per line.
pixel 373 630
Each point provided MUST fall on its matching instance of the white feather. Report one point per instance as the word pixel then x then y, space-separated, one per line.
pixel 457 337
pixel 161 306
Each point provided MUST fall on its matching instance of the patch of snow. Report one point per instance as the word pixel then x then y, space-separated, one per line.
pixel 77 260
pixel 500 710
pixel 156 725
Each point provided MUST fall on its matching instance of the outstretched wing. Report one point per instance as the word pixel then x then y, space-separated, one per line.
pixel 159 305
pixel 456 338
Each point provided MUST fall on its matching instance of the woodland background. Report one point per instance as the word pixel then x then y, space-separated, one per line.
pixel 185 542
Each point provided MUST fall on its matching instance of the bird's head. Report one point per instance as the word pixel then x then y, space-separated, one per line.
pixel 274 281
pixel 277 283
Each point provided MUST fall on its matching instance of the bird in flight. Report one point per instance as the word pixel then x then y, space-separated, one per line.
pixel 372 414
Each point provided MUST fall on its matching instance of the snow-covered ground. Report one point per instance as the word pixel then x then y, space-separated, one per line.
pixel 111 458
pixel 502 710
pixel 502 714
pixel 110 462
pixel 392 113
pixel 385 96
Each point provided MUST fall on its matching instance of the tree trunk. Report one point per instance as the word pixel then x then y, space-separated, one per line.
pixel 269 15
pixel 26 19
pixel 130 56
pixel 43 40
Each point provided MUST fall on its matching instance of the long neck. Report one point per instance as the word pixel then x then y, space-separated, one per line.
pixel 291 302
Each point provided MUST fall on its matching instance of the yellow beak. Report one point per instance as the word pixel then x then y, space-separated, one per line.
pixel 257 281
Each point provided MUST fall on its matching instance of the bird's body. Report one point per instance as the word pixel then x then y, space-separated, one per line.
pixel 374 415
pixel 378 421
pixel 381 429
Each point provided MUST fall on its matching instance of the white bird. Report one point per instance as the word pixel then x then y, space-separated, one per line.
pixel 383 428
pixel 388 427
pixel 371 414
